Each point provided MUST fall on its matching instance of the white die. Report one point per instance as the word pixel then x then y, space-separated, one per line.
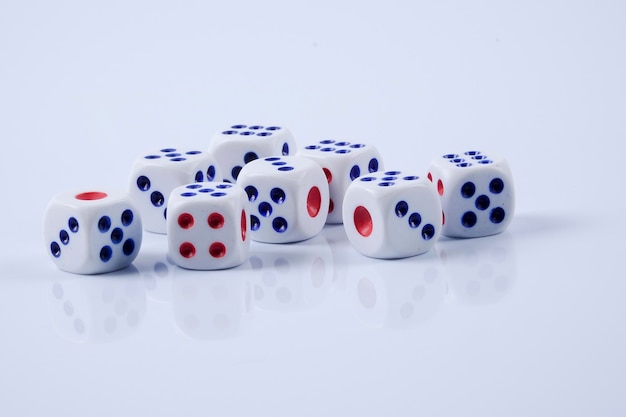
pixel 392 215
pixel 154 175
pixel 477 193
pixel 287 198
pixel 239 144
pixel 92 232
pixel 342 163
pixel 207 226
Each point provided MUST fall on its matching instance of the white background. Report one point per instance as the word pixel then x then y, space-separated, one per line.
pixel 529 322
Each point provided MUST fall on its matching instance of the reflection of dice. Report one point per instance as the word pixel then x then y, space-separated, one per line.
pixel 98 309
pixel 212 306
pixel 92 232
pixel 207 226
pixel 239 144
pixel 392 215
pixel 291 277
pixel 480 273
pixel 342 162
pixel 156 269
pixel 397 294
pixel 155 175
pixel 287 198
pixel 476 192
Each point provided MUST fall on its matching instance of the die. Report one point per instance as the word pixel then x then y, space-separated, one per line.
pixel 392 215
pixel 92 232
pixel 342 162
pixel 287 198
pixel 477 193
pixel 239 144
pixel 154 175
pixel 207 226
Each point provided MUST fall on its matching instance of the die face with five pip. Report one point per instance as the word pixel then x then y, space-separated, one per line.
pixel 92 232
pixel 240 144
pixel 154 176
pixel 392 215
pixel 477 193
pixel 342 163
pixel 207 226
pixel 287 198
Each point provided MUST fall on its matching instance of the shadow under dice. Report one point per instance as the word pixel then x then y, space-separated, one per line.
pixel 477 193
pixel 240 144
pixel 392 215
pixel 92 232
pixel 287 198
pixel 207 226
pixel 342 162
pixel 155 175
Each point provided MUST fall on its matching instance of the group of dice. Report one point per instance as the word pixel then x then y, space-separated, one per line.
pixel 252 183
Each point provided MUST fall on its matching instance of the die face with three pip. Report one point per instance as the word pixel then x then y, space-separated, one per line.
pixel 287 198
pixel 342 162
pixel 392 215
pixel 92 232
pixel 477 193
pixel 154 176
pixel 207 226
pixel 240 144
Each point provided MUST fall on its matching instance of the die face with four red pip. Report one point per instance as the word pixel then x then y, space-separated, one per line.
pixel 477 193
pixel 288 198
pixel 342 162
pixel 154 176
pixel 240 144
pixel 207 226
pixel 392 214
pixel 92 232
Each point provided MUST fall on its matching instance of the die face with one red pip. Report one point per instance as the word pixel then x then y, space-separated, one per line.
pixel 240 144
pixel 287 198
pixel 342 162
pixel 392 215
pixel 477 193
pixel 92 232
pixel 207 226
pixel 154 175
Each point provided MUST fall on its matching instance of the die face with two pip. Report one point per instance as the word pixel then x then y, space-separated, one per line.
pixel 342 162
pixel 287 198
pixel 392 215
pixel 240 144
pixel 92 232
pixel 477 193
pixel 207 226
pixel 154 175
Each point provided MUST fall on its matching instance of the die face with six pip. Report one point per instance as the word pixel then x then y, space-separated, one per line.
pixel 240 144
pixel 342 163
pixel 477 193
pixel 392 215
pixel 287 198
pixel 154 176
pixel 92 232
pixel 207 226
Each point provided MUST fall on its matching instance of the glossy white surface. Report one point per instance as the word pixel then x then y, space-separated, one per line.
pixel 529 322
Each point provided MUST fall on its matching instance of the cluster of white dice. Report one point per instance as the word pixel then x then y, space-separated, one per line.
pixel 252 183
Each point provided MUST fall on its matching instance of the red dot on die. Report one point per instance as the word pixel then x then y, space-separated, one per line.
pixel 314 201
pixel 440 187
pixel 443 218
pixel 329 175
pixel 187 250
pixel 185 220
pixel 331 206
pixel 216 221
pixel 430 177
pixel 363 221
pixel 244 225
pixel 91 195
pixel 217 250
